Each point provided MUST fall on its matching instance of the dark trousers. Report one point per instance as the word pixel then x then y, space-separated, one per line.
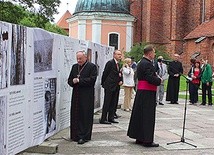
pixel 205 89
pixel 117 100
pixel 110 104
pixel 193 92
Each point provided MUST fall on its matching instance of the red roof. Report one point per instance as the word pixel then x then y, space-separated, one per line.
pixel 206 29
pixel 62 21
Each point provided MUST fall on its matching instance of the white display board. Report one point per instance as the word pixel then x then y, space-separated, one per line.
pixel 35 98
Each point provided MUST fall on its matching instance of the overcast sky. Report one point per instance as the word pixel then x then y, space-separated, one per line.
pixel 64 6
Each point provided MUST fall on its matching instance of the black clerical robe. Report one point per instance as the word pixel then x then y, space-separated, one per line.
pixel 175 67
pixel 142 121
pixel 82 102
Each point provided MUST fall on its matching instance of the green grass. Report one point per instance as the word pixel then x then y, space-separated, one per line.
pixel 183 89
pixel 182 84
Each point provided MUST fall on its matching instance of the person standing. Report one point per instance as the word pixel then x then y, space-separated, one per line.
pixel 163 74
pixel 206 80
pixel 134 67
pixel 142 121
pixel 175 70
pixel 111 81
pixel 128 84
pixel 82 78
pixel 194 74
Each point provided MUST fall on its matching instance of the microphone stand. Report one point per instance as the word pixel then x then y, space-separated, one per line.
pixel 184 120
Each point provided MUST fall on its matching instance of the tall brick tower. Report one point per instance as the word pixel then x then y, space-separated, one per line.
pixel 167 22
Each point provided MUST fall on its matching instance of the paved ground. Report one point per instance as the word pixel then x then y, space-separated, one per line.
pixel 112 139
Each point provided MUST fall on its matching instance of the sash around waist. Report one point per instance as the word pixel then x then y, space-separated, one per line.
pixel 144 85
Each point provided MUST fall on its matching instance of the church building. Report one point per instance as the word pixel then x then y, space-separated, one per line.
pixel 182 26
pixel 106 22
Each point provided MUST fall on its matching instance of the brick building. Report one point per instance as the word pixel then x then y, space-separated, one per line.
pixel 62 21
pixel 168 22
pixel 106 22
pixel 201 39
pixel 176 24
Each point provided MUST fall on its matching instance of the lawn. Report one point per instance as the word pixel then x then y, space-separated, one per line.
pixel 183 89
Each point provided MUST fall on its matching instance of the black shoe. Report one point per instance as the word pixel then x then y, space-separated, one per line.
pixel 113 121
pixel 116 116
pixel 203 103
pixel 176 103
pixel 150 144
pixel 104 122
pixel 210 104
pixel 161 103
pixel 81 141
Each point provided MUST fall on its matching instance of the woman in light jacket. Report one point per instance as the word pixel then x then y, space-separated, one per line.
pixel 128 83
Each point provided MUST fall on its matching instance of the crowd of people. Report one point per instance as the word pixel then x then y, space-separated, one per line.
pixel 146 79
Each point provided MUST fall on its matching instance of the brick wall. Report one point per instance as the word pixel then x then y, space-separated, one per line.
pixel 205 47
pixel 209 9
pixel 136 11
pixel 167 22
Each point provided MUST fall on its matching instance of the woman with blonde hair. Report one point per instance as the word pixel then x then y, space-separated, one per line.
pixel 128 83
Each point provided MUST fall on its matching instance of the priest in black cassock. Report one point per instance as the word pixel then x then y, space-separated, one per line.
pixel 142 121
pixel 82 78
pixel 175 70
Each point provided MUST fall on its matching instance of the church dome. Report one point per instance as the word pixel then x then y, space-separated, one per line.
pixel 110 6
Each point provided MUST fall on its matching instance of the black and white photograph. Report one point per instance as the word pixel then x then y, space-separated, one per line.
pixel 97 84
pixel 50 104
pixel 18 50
pixel 43 50
pixel 89 55
pixel 3 55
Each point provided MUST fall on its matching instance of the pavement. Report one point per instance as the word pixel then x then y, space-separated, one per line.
pixel 197 138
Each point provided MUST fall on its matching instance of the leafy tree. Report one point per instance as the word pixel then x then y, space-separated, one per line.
pixel 28 21
pixel 11 13
pixel 45 8
pixel 17 14
pixel 137 51
pixel 54 28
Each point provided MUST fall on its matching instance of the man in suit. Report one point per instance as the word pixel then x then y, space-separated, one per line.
pixel 163 74
pixel 111 82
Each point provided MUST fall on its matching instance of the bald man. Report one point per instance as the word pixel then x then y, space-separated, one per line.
pixel 175 70
pixel 82 79
pixel 111 82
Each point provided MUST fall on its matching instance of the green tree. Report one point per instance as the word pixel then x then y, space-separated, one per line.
pixel 17 14
pixel 11 13
pixel 45 8
pixel 55 29
pixel 137 51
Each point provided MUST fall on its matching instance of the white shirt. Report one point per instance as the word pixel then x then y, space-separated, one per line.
pixel 128 77
pixel 163 71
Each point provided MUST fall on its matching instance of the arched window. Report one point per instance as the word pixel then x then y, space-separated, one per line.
pixel 114 40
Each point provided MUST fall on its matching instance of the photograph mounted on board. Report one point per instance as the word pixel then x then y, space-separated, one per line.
pixel 4 28
pixel 18 50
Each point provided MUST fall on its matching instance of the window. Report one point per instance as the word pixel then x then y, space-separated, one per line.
pixel 114 40
pixel 200 39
